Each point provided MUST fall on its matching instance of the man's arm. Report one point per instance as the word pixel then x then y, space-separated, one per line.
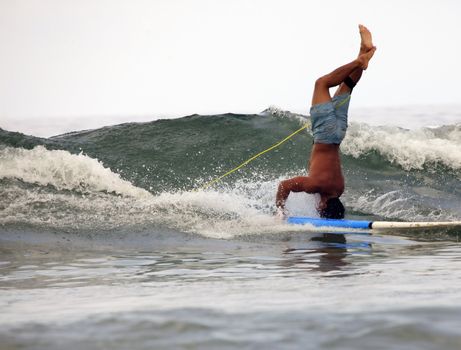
pixel 296 184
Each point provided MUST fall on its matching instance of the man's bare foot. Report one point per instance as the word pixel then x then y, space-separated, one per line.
pixel 366 43
pixel 364 58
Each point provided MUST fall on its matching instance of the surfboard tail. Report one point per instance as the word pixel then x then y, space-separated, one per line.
pixel 407 225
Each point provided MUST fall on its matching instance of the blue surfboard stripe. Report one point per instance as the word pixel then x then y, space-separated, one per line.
pixel 302 220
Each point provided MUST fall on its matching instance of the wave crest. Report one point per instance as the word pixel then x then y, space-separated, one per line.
pixel 64 171
pixel 411 149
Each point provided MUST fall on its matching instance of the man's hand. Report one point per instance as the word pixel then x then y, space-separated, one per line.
pixel 280 214
pixel 296 184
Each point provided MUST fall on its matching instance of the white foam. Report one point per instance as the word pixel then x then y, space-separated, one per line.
pixel 395 205
pixel 246 209
pixel 411 149
pixel 63 170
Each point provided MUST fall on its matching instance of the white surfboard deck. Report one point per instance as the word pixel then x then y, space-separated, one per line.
pixel 408 225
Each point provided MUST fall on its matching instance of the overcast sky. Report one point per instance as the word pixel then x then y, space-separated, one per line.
pixel 82 60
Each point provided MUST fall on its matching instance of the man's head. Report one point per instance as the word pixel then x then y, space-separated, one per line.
pixel 333 209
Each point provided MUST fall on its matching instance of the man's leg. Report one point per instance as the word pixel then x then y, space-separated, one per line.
pixel 366 45
pixel 323 84
pixel 354 77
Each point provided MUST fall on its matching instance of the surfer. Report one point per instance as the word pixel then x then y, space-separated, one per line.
pixel 329 124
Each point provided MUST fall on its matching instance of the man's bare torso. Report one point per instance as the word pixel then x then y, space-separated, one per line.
pixel 325 169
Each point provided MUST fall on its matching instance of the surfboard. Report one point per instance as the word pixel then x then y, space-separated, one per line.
pixel 369 225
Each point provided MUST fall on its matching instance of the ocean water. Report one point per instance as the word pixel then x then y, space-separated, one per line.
pixel 105 244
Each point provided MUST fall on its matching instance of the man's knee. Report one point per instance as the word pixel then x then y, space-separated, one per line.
pixel 321 82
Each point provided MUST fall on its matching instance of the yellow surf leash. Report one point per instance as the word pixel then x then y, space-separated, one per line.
pixel 208 184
